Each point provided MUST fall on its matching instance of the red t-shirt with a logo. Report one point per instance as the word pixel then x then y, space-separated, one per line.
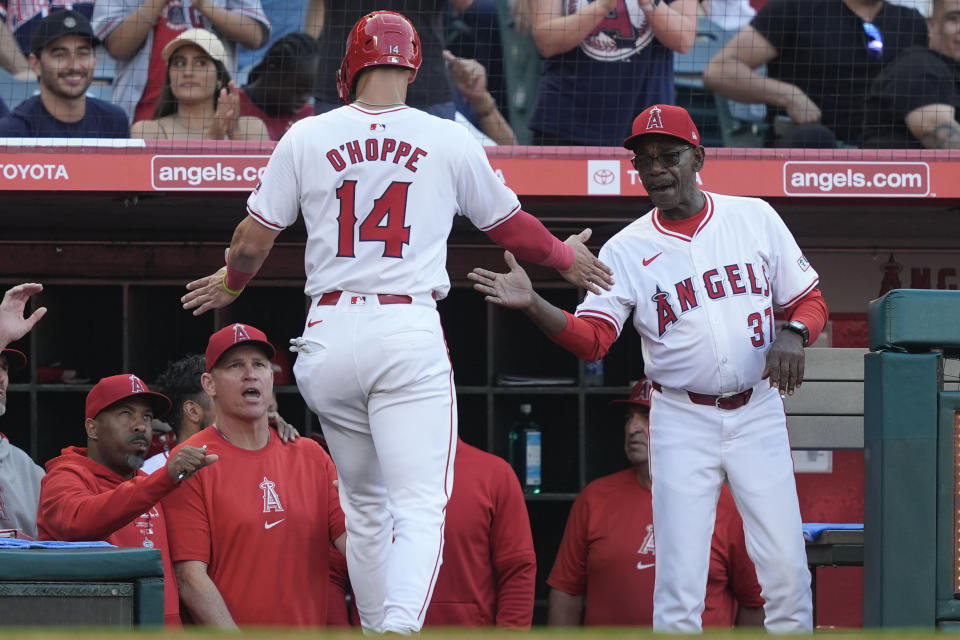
pixel 607 554
pixel 263 522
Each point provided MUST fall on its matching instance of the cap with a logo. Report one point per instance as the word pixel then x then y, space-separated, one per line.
pixel 15 359
pixel 639 395
pixel 63 22
pixel 206 40
pixel 665 119
pixel 126 385
pixel 234 335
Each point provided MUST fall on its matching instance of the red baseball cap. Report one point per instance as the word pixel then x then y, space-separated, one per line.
pixel 665 119
pixel 233 335
pixel 15 359
pixel 639 395
pixel 116 388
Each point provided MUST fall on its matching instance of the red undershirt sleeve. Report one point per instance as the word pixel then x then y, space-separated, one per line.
pixel 588 338
pixel 529 240
pixel 811 310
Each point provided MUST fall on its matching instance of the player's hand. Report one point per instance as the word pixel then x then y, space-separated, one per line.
pixel 187 461
pixel 802 110
pixel 512 289
pixel 785 361
pixel 286 431
pixel 207 293
pixel 587 271
pixel 13 325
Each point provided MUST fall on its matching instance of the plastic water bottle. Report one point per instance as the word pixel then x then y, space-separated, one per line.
pixel 593 373
pixel 525 450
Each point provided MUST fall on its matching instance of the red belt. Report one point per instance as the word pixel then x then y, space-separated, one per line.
pixel 333 297
pixel 727 402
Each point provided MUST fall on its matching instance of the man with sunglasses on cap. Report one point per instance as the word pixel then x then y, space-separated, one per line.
pixel 604 571
pixel 821 56
pixel 701 274
pixel 19 476
pixel 265 515
pixel 64 60
pixel 100 492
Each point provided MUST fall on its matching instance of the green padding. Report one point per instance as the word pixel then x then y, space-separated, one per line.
pixel 900 396
pixel 84 564
pixel 914 320
pixel 149 600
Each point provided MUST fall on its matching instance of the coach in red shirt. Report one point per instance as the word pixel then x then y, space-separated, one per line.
pixel 489 566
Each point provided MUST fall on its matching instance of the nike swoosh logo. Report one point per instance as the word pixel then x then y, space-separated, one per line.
pixel 647 261
pixel 641 565
pixel 271 525
pixel 310 323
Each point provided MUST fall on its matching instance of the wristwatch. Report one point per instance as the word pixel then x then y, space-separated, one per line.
pixel 650 6
pixel 798 327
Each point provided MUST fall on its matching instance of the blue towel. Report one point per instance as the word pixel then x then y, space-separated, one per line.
pixel 812 530
pixel 18 543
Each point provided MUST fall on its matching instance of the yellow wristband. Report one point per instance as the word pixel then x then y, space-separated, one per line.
pixel 228 289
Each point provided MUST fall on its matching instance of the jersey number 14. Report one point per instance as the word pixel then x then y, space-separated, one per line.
pixel 384 223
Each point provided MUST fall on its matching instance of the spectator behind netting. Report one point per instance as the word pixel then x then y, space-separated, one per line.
pixel 913 103
pixel 607 61
pixel 281 85
pixel 821 56
pixel 63 59
pixel 23 16
pixel 199 101
pixel 135 32
pixel 285 16
pixel 431 92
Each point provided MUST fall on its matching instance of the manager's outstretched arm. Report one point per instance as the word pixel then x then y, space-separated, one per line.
pixel 248 250
pixel 514 290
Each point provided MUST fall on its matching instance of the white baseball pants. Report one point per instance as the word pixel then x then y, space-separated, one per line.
pixel 693 448
pixel 379 378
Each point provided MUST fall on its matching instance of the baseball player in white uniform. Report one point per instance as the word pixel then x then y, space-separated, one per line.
pixel 379 184
pixel 701 274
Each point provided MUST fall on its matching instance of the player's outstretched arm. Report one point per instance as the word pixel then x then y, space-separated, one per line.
pixel 587 271
pixel 514 290
pixel 249 248
pixel 13 325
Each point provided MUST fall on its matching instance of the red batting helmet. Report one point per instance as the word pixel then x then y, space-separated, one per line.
pixel 379 38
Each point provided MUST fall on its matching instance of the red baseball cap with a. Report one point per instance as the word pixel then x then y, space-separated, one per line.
pixel 126 385
pixel 15 359
pixel 665 119
pixel 233 335
pixel 639 395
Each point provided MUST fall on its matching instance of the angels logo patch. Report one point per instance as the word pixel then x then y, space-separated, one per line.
pixel 622 33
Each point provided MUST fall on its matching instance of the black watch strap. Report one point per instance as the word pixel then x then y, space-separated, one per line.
pixel 799 328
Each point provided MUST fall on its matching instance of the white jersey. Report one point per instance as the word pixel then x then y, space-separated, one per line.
pixel 703 306
pixel 379 192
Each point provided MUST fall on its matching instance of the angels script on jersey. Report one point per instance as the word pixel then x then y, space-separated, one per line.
pixel 375 150
pixel 718 283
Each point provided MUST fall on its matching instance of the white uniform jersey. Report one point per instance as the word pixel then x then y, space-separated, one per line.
pixel 379 192
pixel 703 306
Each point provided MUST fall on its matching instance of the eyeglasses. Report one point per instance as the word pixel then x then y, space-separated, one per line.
pixel 875 42
pixel 643 162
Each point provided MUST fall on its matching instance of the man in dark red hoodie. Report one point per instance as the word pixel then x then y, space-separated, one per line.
pixel 99 492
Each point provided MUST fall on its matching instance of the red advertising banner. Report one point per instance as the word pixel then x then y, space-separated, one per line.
pixel 530 171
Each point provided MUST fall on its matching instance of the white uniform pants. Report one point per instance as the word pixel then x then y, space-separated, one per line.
pixel 379 378
pixel 692 449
